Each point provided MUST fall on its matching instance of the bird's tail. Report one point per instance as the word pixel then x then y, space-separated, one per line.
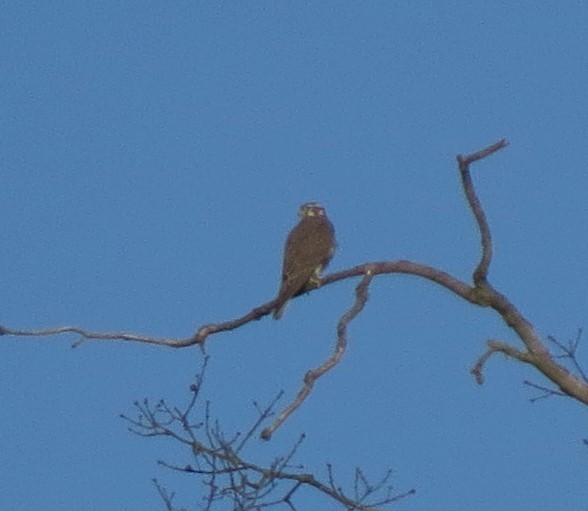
pixel 280 308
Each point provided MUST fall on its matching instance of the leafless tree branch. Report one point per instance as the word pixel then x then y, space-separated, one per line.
pixel 202 334
pixel 464 163
pixel 165 496
pixel 545 391
pixel 569 351
pixel 498 347
pixel 227 476
pixel 536 352
pixel 361 296
pixel 480 293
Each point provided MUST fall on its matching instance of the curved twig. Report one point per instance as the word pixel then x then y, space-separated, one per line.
pixel 498 347
pixel 361 296
pixel 481 272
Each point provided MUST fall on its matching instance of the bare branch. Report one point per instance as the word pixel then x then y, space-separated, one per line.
pixel 263 415
pixel 497 347
pixel 483 153
pixel 89 335
pixel 361 296
pixel 165 496
pixel 201 335
pixel 569 351
pixel 198 338
pixel 481 272
pixel 546 391
pixel 537 353
pixel 484 294
pixel 227 475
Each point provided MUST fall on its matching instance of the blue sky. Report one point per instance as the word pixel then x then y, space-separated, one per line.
pixel 153 158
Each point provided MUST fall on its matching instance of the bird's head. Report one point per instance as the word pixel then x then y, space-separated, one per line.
pixel 311 209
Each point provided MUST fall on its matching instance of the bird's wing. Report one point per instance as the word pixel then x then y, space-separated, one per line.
pixel 309 246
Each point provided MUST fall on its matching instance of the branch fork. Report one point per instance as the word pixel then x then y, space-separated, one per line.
pixel 480 293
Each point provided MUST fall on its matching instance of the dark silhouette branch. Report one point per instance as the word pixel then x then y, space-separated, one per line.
pixel 166 497
pixel 545 391
pixel 228 476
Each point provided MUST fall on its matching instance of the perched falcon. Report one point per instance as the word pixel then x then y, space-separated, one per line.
pixel 309 248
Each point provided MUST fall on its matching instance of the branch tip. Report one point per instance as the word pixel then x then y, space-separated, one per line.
pixel 482 153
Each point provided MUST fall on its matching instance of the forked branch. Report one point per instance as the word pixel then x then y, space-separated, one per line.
pixel 480 292
pixel 537 353
pixel 227 477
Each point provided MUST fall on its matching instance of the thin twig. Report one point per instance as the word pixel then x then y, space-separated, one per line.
pixel 546 391
pixel 570 352
pixel 165 496
pixel 495 346
pixel 227 475
pixel 361 296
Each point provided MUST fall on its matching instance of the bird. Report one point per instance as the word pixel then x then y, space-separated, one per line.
pixel 309 248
